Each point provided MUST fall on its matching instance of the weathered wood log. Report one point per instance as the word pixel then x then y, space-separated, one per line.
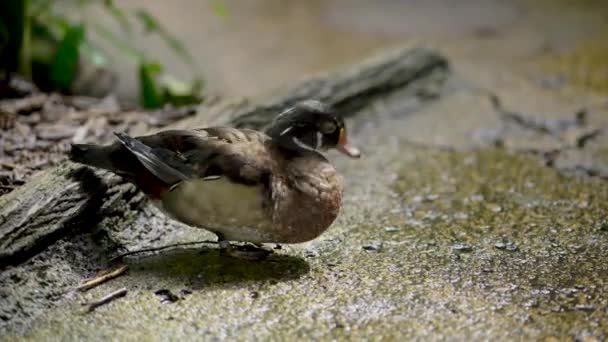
pixel 69 197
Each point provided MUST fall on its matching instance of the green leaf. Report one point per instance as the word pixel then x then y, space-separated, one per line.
pixel 119 15
pixel 38 7
pixel 148 21
pixel 150 94
pixel 65 63
pixel 46 30
pixel 92 54
pixel 51 25
pixel 125 47
pixel 151 25
pixel 175 86
pixel 178 92
pixel 219 8
pixel 57 20
pixel 43 52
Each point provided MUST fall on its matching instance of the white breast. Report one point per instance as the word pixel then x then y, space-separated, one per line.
pixel 235 210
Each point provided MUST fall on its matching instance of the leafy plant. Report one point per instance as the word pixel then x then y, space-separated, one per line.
pixel 65 62
pixel 39 41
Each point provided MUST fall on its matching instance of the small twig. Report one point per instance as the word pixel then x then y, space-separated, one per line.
pixel 583 139
pixel 156 249
pixel 24 105
pixel 107 299
pixel 551 127
pixel 8 165
pixel 89 284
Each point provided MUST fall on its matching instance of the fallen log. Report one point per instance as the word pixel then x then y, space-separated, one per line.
pixel 70 198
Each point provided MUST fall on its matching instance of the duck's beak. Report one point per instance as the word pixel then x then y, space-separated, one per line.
pixel 345 148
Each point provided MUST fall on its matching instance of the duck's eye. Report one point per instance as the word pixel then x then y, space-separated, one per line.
pixel 328 127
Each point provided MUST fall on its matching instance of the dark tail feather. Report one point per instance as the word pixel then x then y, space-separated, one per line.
pixel 151 160
pixel 92 155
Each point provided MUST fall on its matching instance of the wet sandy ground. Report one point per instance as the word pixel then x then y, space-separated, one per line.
pixel 471 232
pixel 432 243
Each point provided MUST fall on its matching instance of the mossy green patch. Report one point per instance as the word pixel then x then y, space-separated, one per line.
pixel 586 65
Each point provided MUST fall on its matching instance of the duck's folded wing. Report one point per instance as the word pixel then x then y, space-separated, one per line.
pixel 162 163
pixel 177 155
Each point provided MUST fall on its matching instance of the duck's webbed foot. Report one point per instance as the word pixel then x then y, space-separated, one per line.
pixel 246 252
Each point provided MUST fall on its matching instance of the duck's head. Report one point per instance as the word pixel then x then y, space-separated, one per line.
pixel 311 126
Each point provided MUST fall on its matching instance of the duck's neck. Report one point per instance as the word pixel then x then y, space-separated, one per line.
pixel 287 152
pixel 283 139
pixel 278 128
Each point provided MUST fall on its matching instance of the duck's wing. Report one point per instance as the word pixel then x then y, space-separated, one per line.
pixel 170 157
pixel 177 155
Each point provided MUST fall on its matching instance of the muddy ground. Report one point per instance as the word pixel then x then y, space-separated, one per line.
pixel 478 214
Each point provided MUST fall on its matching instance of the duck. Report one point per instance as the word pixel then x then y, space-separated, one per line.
pixel 244 185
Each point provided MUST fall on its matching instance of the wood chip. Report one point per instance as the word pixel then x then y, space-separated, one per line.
pixel 91 283
pixel 25 105
pixel 107 299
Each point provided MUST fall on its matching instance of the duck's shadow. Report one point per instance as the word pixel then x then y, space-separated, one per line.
pixel 204 267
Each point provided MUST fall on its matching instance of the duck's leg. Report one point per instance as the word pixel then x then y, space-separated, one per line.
pixel 247 252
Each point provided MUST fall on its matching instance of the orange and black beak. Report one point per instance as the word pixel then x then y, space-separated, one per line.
pixel 345 148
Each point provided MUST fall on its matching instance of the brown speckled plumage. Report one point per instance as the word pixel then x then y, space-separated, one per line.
pixel 241 184
pixel 307 195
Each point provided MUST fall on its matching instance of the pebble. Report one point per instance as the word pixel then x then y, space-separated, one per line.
pixel 506 245
pixel 462 247
pixel 477 198
pixel 373 246
pixel 166 296
pixel 461 216
pixel 584 307
pixel 312 253
pixel 185 292
pixel 494 208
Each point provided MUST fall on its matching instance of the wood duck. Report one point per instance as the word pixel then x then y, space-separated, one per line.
pixel 241 184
